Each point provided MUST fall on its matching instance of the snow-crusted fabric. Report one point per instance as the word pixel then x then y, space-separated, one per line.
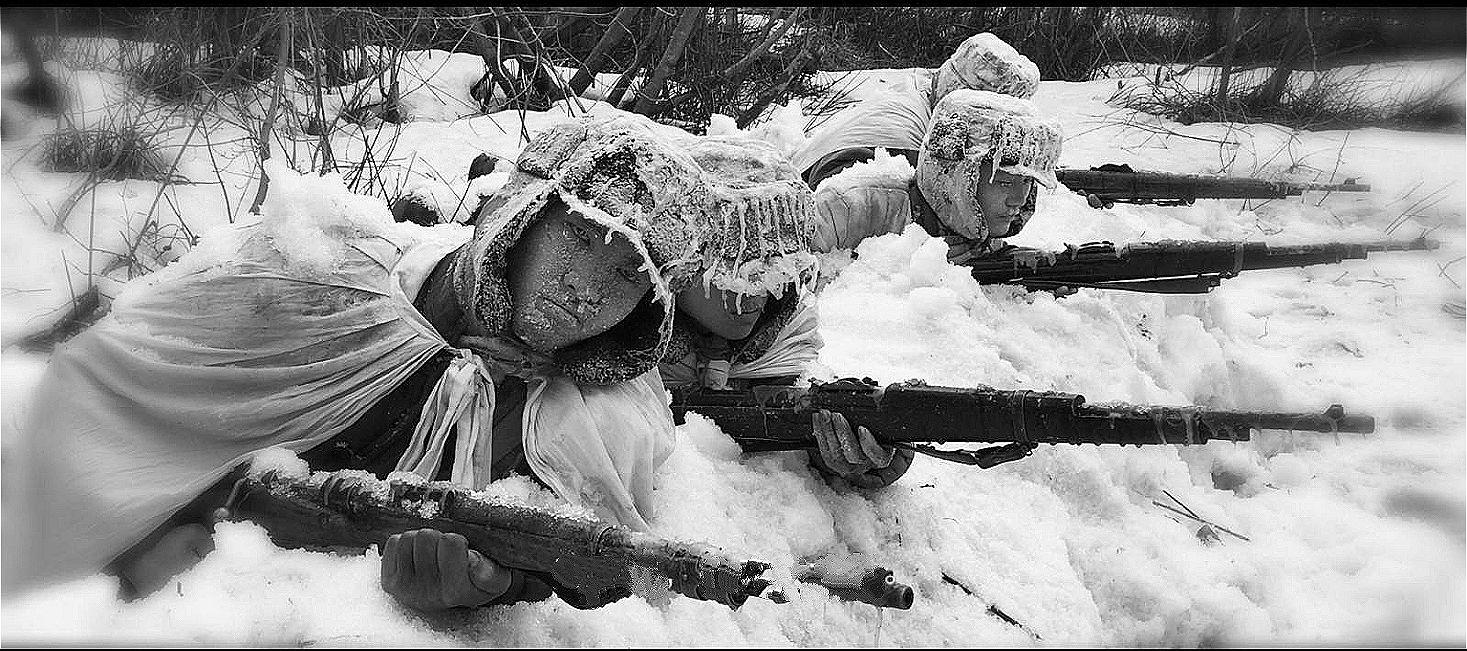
pixel 760 229
pixel 864 200
pixel 612 472
pixel 897 120
pixel 971 126
pixel 986 62
pixel 756 229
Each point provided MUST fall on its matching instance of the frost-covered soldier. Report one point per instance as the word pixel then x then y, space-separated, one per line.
pixel 976 180
pixel 526 344
pixel 898 120
pixel 748 317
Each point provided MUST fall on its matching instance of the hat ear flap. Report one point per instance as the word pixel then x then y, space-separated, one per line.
pixel 630 348
pixel 941 182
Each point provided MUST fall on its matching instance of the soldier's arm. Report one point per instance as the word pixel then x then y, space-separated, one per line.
pixel 847 213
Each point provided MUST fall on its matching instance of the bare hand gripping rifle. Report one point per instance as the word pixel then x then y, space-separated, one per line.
pixel 913 415
pixel 1107 184
pixel 1164 266
pixel 587 562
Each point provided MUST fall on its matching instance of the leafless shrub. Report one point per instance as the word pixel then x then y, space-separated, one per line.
pixel 1332 100
pixel 115 153
pixel 696 61
pixel 1068 43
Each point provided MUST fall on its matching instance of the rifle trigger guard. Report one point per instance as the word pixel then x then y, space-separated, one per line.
pixel 236 493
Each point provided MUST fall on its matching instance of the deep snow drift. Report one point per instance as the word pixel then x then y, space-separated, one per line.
pixel 1354 539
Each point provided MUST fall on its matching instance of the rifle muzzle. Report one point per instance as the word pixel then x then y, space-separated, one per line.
pixel 875 586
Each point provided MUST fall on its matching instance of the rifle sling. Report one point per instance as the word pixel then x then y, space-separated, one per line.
pixel 983 458
pixel 1200 284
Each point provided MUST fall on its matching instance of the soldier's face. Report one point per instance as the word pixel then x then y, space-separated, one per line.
pixel 730 315
pixel 569 283
pixel 1000 198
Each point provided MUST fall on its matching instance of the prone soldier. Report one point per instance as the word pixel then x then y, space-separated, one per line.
pixel 527 347
pixel 976 179
pixel 752 321
pixel 978 204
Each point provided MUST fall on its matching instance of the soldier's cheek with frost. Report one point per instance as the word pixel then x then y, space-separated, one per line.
pixel 569 284
pixel 998 198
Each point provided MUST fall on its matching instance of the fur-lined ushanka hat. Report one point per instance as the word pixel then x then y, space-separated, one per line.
pixel 986 62
pixel 759 217
pixel 971 126
pixel 728 226
pixel 759 234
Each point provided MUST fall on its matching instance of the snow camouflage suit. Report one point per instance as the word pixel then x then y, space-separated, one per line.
pixel 898 119
pixel 968 127
pixel 252 344
pixel 885 198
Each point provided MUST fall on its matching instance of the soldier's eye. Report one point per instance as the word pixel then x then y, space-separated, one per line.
pixel 629 273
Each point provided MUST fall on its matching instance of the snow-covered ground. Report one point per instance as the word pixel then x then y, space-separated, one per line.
pixel 1351 539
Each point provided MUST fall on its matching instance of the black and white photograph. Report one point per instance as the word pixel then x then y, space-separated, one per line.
pixel 716 326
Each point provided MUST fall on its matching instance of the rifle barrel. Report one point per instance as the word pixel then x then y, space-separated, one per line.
pixel 779 418
pixel 1347 186
pixel 1102 264
pixel 1418 244
pixel 1120 183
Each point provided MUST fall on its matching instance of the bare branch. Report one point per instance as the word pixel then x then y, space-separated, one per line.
pixel 737 69
pixel 594 61
pixel 647 95
pixel 282 53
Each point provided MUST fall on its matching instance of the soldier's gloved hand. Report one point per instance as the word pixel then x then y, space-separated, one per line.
pixel 721 587
pixel 961 249
pixel 428 569
pixel 855 456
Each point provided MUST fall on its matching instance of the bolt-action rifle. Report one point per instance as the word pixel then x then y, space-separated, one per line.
pixel 1164 266
pixel 913 415
pixel 1105 185
pixel 587 562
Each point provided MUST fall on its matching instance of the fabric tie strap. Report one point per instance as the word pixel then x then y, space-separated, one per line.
pixel 462 402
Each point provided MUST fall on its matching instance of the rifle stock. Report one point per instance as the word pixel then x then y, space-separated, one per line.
pixel 587 562
pixel 1165 266
pixel 910 414
pixel 1119 183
